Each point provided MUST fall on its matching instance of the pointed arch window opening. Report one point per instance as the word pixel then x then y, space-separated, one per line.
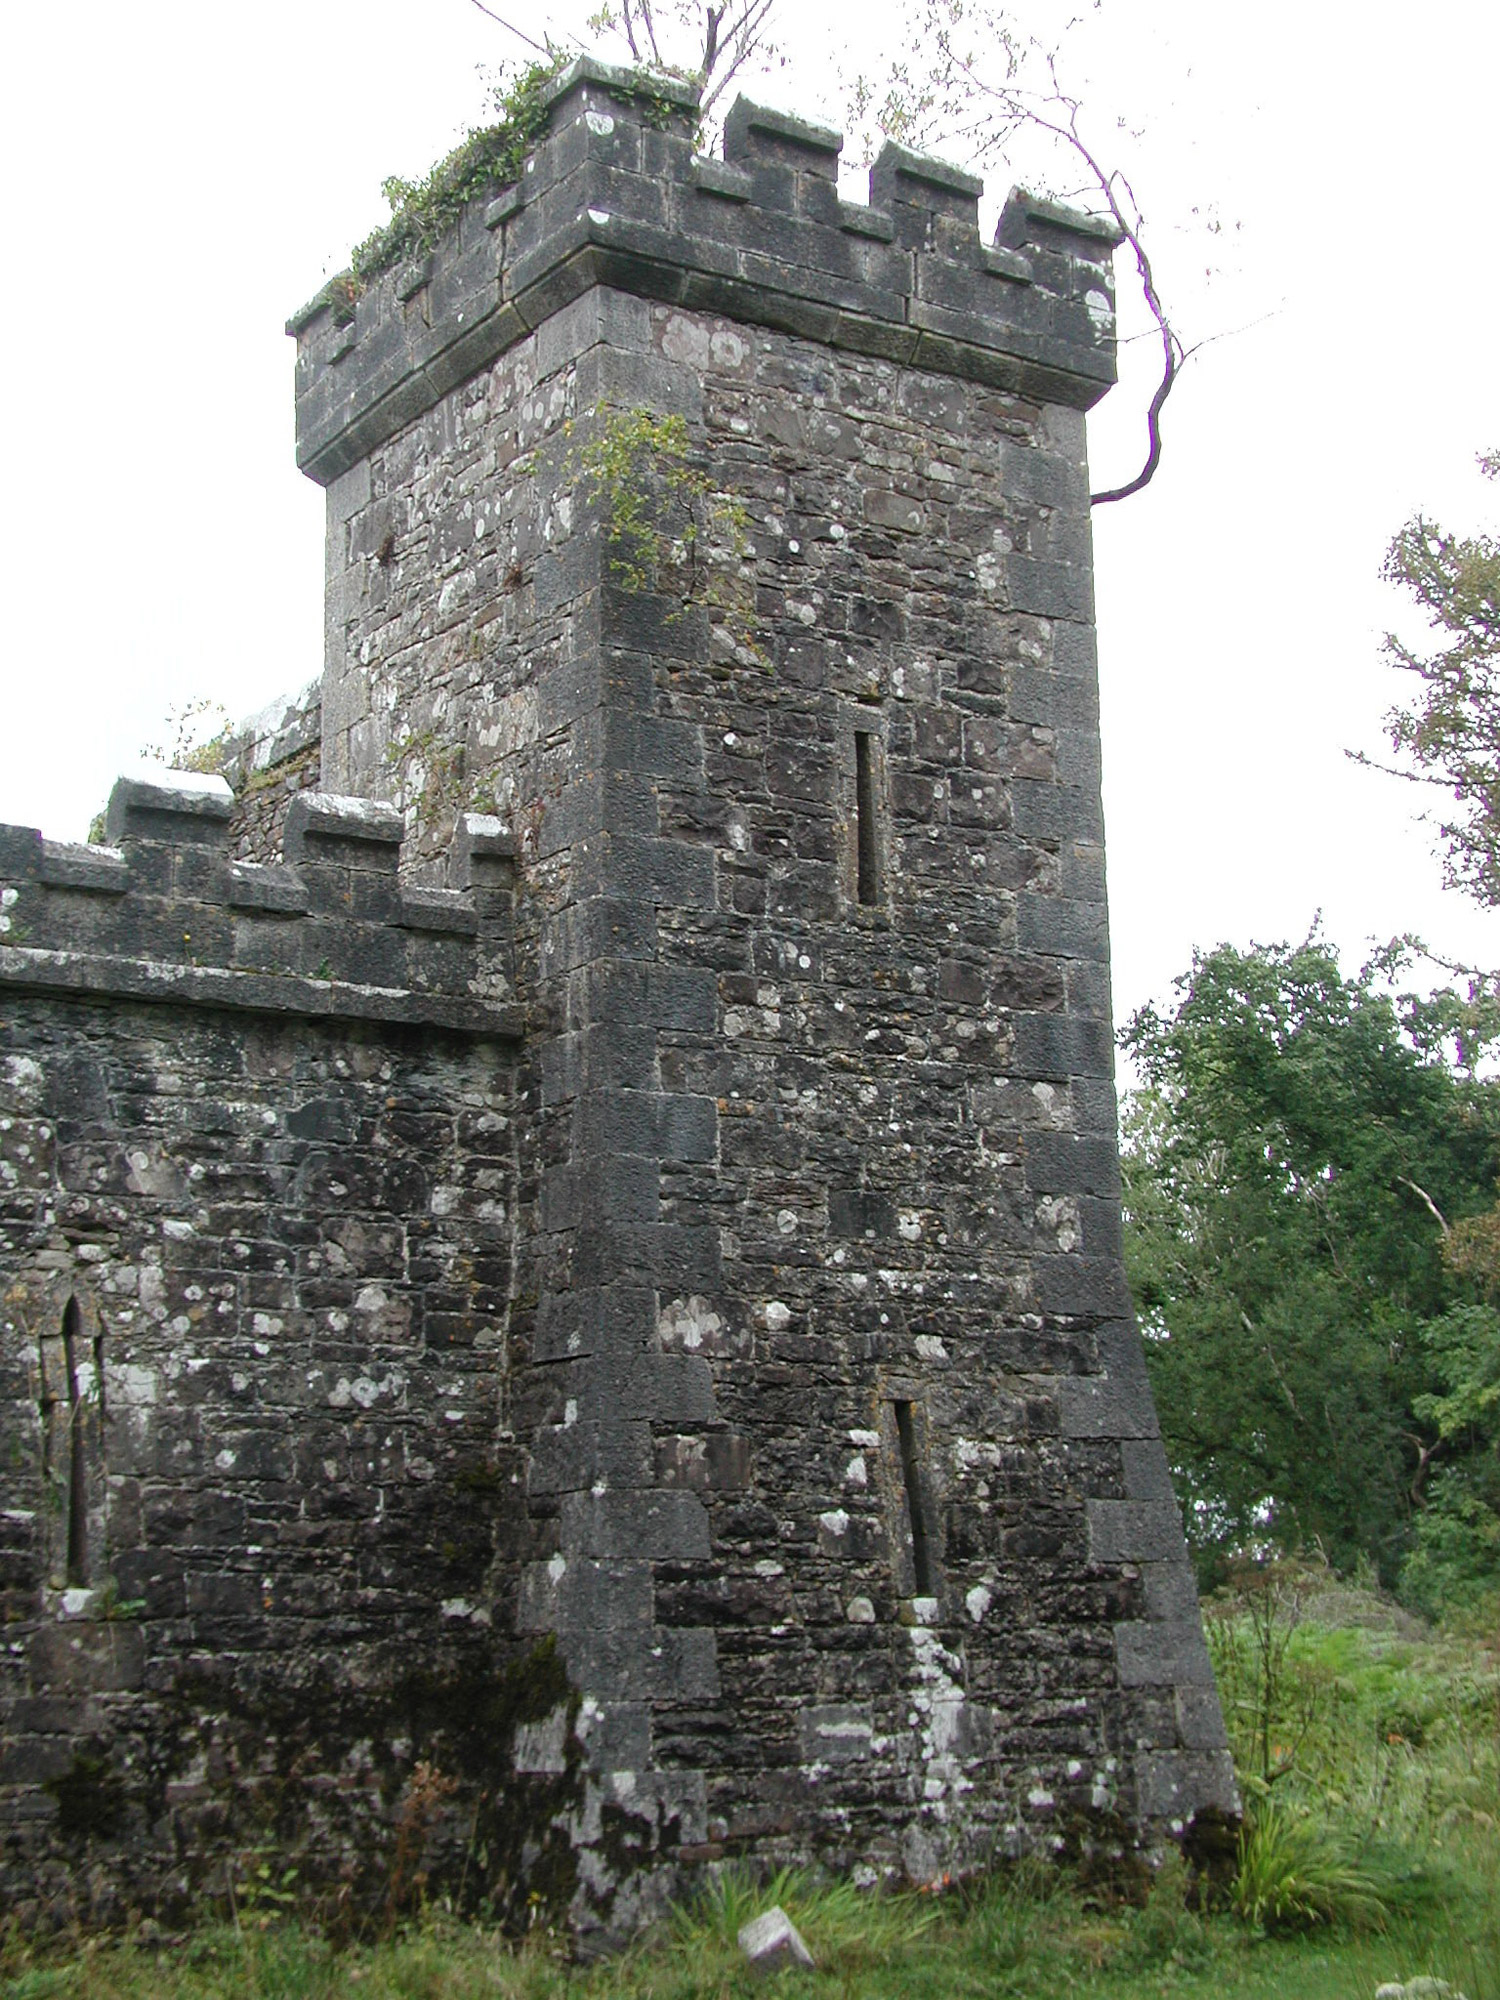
pixel 69 1403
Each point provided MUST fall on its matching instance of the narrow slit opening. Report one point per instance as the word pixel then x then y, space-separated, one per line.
pixel 921 1547
pixel 867 848
pixel 77 1555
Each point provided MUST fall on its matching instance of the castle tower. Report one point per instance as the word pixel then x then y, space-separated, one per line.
pixel 573 1326
pixel 731 541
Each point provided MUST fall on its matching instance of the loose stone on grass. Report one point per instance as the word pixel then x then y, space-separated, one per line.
pixel 772 1943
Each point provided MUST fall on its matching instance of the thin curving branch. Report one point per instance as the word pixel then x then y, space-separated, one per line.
pixel 733 46
pixel 1126 215
pixel 629 26
pixel 511 29
pixel 1057 113
pixel 649 20
pixel 1427 1202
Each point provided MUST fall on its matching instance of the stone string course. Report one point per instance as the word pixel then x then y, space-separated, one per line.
pixel 702 1416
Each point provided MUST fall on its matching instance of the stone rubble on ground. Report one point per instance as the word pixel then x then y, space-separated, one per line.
pixel 772 1942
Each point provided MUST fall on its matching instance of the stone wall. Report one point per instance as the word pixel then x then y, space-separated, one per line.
pixel 267 760
pixel 262 1485
pixel 826 1246
pixel 691 1235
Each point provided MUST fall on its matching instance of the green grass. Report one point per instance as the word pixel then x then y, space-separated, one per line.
pixel 1371 1755
pixel 1002 1940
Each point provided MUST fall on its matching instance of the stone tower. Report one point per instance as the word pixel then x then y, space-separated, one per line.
pixel 709 589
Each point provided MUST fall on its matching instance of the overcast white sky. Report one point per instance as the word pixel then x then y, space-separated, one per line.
pixel 179 177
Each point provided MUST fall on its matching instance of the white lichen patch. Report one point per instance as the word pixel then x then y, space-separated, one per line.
pixel 132 1387
pixel 1058 1216
pixel 699 345
pixel 938 1703
pixel 972 1453
pixel 690 1324
pixel 365 1392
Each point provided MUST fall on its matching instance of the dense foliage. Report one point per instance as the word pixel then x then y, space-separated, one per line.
pixel 1449 733
pixel 1326 1369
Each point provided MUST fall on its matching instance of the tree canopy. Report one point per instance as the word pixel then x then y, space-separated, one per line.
pixel 1448 734
pixel 1296 1159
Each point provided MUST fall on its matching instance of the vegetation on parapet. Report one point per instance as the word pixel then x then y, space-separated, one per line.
pixel 486 159
pixel 423 211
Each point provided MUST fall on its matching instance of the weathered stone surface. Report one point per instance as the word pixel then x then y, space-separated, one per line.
pixel 615 197
pixel 772 1943
pixel 600 1268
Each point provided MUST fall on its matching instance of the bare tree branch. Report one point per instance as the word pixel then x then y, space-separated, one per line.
pixel 1394 771
pixel 1126 214
pixel 629 26
pixel 511 29
pixel 727 35
pixel 646 16
pixel 979 101
pixel 1427 1202
pixel 736 46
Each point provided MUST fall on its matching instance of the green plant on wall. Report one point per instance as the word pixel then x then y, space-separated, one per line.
pixel 423 211
pixel 429 774
pixel 666 527
pixel 189 749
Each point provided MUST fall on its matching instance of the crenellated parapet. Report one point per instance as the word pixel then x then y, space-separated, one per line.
pixel 163 913
pixel 616 195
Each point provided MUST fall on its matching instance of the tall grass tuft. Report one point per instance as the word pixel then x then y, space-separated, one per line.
pixel 1295 1872
pixel 847 1929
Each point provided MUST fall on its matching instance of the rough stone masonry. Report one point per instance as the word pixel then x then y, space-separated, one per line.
pixel 573 1326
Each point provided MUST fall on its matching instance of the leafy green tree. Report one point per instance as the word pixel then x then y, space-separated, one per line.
pixel 1294 1161
pixel 1448 734
pixel 1455 1561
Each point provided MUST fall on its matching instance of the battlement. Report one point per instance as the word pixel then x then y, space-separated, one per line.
pixel 164 914
pixel 616 195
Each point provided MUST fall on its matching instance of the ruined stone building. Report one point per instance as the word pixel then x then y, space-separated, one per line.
pixel 570 1307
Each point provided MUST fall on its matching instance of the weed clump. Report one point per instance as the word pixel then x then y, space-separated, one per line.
pixel 1295 1873
pixel 423 211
